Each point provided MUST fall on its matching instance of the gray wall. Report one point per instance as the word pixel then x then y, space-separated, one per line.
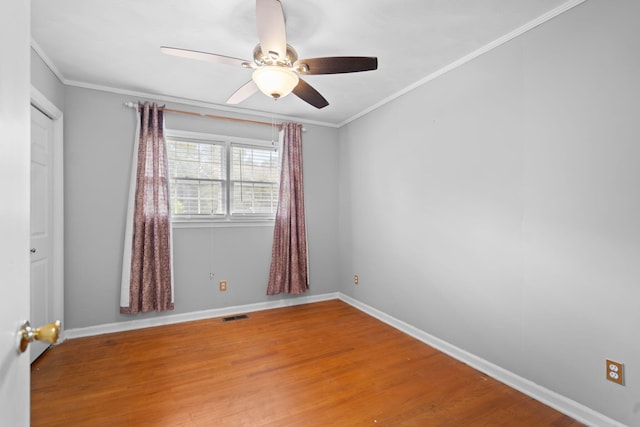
pixel 497 207
pixel 99 134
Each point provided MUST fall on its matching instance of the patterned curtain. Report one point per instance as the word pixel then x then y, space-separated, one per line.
pixel 147 272
pixel 288 273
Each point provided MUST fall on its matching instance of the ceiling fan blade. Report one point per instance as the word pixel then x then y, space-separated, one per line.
pixel 271 28
pixel 204 56
pixel 336 64
pixel 307 93
pixel 243 93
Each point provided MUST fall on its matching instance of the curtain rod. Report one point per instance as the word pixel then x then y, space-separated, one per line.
pixel 210 116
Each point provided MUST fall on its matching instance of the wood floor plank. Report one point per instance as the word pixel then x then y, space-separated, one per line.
pixel 320 364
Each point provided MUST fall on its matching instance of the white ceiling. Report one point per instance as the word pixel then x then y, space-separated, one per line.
pixel 115 44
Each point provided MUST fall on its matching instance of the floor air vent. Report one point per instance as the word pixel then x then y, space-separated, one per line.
pixel 238 317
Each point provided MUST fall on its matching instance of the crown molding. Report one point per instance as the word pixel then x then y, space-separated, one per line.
pixel 45 58
pixel 452 66
pixel 473 55
pixel 195 103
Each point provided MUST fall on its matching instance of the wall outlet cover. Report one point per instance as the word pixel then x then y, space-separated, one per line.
pixel 615 372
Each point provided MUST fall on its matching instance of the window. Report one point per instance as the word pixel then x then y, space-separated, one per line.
pixel 255 175
pixel 213 177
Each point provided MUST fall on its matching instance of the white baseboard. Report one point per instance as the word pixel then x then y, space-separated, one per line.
pixel 197 315
pixel 550 398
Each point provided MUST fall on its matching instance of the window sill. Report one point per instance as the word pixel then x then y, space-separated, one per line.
pixel 222 223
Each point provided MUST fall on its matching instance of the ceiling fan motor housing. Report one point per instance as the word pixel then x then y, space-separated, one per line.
pixel 272 58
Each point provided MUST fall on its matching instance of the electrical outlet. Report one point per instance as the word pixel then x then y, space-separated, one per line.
pixel 223 285
pixel 355 279
pixel 615 372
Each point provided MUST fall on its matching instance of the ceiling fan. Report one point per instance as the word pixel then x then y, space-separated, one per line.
pixel 275 63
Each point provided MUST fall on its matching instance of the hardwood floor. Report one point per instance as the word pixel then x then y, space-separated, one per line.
pixel 321 364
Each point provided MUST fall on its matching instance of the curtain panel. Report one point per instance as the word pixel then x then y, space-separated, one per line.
pixel 289 265
pixel 147 282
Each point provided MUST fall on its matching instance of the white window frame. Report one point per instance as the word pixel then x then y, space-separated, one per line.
pixel 227 219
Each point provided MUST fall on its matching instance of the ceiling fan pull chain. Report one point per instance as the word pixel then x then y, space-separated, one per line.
pixel 273 130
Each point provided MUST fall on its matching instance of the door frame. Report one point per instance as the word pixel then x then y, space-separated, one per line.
pixel 42 103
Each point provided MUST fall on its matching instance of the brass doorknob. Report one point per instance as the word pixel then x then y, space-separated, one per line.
pixel 47 333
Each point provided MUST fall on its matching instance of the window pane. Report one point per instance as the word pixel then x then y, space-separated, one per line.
pixel 254 164
pixel 197 198
pixel 254 198
pixel 197 173
pixel 255 172
pixel 195 160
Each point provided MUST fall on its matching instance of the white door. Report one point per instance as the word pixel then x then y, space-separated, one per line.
pixel 14 209
pixel 42 291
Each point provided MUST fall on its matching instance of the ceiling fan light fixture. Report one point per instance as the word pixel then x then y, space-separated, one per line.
pixel 275 81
